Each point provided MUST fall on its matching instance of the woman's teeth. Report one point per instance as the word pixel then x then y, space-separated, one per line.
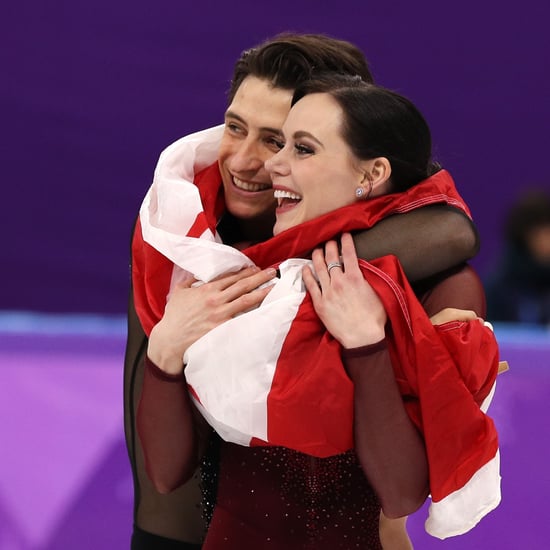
pixel 246 186
pixel 281 195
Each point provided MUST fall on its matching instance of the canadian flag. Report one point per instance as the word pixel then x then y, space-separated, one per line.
pixel 273 376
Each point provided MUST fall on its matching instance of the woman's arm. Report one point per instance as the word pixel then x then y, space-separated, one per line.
pixel 389 447
pixel 427 240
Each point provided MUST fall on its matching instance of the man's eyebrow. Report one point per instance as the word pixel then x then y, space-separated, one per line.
pixel 269 129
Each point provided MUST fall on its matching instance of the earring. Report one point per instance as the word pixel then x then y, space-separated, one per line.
pixel 360 192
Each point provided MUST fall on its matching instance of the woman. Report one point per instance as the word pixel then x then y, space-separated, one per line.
pixel 293 498
pixel 259 99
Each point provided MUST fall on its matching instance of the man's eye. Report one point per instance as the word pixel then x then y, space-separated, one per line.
pixel 279 143
pixel 232 127
pixel 276 143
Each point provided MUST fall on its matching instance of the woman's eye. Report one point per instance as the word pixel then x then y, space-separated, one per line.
pixel 303 149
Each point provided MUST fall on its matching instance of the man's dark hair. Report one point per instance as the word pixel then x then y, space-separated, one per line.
pixel 288 59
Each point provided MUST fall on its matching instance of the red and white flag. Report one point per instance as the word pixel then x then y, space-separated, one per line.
pixel 273 376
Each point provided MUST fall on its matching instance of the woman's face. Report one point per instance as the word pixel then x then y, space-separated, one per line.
pixel 315 172
pixel 252 135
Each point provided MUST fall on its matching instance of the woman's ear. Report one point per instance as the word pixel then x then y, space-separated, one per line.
pixel 378 172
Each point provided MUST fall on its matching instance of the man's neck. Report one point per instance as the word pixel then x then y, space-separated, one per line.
pixel 244 232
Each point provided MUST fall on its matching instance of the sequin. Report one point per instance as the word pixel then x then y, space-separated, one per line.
pixel 292 500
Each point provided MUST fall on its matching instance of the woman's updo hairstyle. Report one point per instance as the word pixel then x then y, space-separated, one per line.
pixel 379 123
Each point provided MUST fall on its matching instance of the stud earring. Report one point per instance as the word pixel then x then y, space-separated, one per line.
pixel 359 192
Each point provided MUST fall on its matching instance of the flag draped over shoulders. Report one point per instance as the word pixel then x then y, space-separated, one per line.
pixel 274 376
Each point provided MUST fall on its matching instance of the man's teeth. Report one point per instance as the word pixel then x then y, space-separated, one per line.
pixel 246 186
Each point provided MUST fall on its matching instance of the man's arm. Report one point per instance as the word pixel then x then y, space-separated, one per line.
pixel 427 241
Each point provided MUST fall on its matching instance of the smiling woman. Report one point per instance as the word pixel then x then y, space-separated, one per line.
pixel 314 172
pixel 369 142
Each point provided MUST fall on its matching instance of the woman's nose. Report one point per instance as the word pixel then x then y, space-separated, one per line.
pixel 277 164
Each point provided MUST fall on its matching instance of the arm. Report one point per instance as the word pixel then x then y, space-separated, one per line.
pixel 166 427
pixel 171 431
pixel 389 447
pixel 426 241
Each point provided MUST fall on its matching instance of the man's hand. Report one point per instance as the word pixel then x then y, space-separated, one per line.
pixel 191 312
pixel 453 314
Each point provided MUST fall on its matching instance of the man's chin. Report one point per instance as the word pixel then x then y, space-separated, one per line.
pixel 250 212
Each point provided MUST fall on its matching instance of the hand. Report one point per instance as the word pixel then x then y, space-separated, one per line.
pixel 191 312
pixel 453 314
pixel 346 304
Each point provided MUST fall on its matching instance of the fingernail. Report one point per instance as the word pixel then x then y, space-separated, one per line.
pixel 271 271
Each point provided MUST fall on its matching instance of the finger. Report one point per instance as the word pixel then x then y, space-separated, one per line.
pixel 312 286
pixel 227 279
pixel 187 283
pixel 247 284
pixel 349 255
pixel 335 266
pixel 332 262
pixel 320 266
pixel 247 302
pixel 449 314
pixel 332 255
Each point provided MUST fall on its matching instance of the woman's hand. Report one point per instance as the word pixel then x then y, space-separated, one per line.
pixel 344 301
pixel 191 312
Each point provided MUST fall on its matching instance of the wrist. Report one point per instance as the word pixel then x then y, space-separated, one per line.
pixel 170 363
pixel 161 374
pixel 363 351
pixel 350 341
pixel 164 356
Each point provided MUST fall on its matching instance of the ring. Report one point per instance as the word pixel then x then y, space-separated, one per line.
pixel 333 264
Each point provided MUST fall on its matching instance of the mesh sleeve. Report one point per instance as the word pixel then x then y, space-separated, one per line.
pixel 176 516
pixel 428 240
pixel 388 445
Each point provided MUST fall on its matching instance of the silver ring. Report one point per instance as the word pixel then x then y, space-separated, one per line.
pixel 333 264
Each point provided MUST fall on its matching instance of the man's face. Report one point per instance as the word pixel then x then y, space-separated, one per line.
pixel 252 135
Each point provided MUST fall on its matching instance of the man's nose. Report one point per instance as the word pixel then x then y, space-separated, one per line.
pixel 249 156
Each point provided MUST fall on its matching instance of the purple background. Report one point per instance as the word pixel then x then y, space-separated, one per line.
pixel 93 91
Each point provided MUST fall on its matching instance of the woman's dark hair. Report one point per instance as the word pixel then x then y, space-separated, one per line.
pixel 289 59
pixel 379 123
